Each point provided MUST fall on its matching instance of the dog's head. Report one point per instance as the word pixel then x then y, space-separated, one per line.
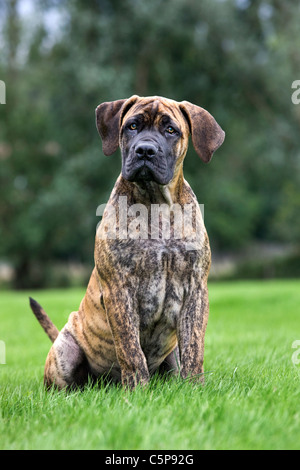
pixel 153 135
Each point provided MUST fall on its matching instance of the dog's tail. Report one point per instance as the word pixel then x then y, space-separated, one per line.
pixel 44 320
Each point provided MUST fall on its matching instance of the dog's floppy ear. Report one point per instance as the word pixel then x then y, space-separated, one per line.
pixel 108 119
pixel 207 135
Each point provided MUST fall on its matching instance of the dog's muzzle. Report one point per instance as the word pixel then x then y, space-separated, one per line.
pixel 145 152
pixel 146 161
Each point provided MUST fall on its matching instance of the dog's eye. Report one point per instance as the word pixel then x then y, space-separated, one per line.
pixel 133 126
pixel 170 130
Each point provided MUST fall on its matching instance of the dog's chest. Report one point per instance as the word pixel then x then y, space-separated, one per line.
pixel 164 276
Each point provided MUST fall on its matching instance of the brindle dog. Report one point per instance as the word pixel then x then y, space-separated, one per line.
pixel 146 304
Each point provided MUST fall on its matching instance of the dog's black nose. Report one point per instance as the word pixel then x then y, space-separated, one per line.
pixel 146 150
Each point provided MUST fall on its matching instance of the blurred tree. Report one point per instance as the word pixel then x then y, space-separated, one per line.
pixel 236 58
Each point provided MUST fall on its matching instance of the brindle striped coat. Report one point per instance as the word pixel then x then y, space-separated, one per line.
pixel 146 304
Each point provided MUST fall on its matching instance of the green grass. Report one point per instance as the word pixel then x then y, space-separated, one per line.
pixel 250 400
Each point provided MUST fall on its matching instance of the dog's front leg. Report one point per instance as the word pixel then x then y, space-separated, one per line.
pixel 191 331
pixel 124 323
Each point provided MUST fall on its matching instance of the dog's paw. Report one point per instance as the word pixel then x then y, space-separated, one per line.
pixel 130 380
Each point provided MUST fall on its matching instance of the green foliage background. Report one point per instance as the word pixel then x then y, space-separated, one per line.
pixel 60 59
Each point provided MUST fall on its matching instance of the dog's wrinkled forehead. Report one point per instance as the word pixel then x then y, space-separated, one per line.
pixel 153 109
pixel 207 135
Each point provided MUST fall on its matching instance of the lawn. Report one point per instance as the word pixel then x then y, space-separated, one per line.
pixel 250 400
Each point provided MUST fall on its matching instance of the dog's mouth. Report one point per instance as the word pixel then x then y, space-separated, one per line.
pixel 144 174
pixel 146 170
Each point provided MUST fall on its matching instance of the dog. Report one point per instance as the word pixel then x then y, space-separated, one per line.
pixel 146 305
